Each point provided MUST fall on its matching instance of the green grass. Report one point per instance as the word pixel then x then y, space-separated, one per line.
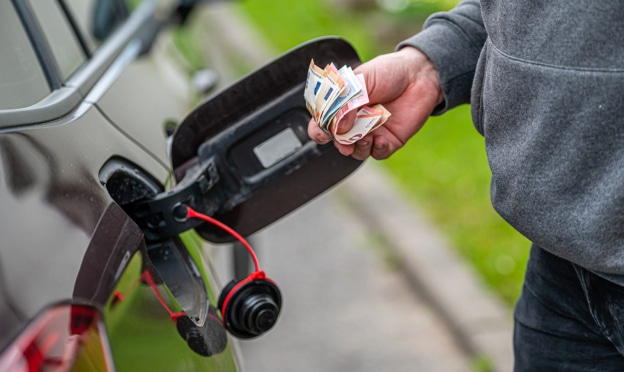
pixel 289 23
pixel 443 169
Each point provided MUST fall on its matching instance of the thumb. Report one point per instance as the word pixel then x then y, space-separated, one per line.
pixel 346 122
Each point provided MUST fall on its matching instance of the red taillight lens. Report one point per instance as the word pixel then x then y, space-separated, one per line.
pixel 63 338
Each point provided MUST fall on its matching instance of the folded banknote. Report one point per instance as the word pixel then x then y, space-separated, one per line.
pixel 331 93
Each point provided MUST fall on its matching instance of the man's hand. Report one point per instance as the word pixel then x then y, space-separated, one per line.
pixel 407 83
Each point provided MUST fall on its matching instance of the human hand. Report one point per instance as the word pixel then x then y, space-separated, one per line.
pixel 407 83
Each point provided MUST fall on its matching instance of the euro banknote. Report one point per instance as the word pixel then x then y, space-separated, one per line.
pixel 332 93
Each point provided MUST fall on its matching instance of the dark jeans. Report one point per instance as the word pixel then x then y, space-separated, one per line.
pixel 567 318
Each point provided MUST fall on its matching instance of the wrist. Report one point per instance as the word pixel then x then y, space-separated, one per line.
pixel 421 68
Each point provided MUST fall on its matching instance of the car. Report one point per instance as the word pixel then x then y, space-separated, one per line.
pixel 112 185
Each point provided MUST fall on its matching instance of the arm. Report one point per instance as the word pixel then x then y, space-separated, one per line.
pixel 412 84
pixel 453 42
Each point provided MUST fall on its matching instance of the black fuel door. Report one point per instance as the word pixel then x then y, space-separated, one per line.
pixel 250 144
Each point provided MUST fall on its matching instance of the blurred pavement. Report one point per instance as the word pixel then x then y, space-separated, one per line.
pixel 368 284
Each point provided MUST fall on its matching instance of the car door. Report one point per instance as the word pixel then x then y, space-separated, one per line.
pixel 98 269
pixel 80 288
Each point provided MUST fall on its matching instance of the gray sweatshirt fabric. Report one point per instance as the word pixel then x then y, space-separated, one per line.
pixel 546 83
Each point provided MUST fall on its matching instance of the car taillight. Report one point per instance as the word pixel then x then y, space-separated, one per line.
pixel 62 338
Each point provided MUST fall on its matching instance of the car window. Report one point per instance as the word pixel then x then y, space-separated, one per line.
pixel 81 12
pixel 64 44
pixel 22 81
pixel 97 19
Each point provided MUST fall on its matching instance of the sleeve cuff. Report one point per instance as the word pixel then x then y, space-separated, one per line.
pixel 454 56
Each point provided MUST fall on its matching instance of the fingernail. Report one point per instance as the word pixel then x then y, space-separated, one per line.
pixel 363 143
pixel 321 139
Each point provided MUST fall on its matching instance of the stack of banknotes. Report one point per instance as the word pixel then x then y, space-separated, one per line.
pixel 331 93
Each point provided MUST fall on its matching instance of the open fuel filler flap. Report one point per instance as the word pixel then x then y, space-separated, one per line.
pixel 244 156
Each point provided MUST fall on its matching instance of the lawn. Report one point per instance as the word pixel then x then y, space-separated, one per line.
pixel 443 169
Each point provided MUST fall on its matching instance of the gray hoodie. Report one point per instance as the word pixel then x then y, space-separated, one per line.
pixel 546 84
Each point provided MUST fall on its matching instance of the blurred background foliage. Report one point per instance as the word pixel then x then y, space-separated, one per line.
pixel 443 169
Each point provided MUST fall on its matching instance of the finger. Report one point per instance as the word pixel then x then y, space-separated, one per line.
pixel 345 150
pixel 381 148
pixel 363 148
pixel 345 124
pixel 316 134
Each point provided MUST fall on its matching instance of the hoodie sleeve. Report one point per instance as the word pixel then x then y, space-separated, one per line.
pixel 453 41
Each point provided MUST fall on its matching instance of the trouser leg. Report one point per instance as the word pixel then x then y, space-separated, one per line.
pixel 555 328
